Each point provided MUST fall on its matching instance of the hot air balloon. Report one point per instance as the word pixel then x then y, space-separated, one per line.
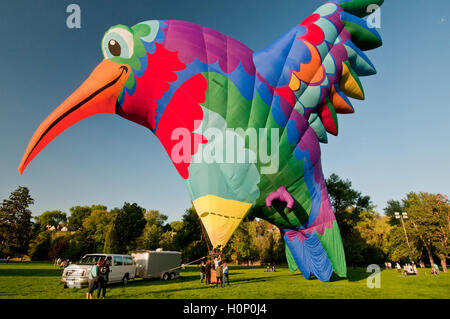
pixel 197 90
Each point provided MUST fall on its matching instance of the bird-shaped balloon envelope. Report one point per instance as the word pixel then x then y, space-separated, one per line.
pixel 242 128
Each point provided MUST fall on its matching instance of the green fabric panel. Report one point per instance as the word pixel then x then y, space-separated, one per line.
pixel 291 262
pixel 359 64
pixel 217 92
pixel 284 148
pixel 240 113
pixel 333 111
pixel 241 179
pixel 363 38
pixel 332 243
pixel 317 125
pixel 359 7
pixel 259 112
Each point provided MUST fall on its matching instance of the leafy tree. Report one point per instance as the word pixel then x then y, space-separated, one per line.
pixel 245 244
pixel 40 246
pixel 374 232
pixel 95 227
pixel 347 202
pixel 166 241
pixel 154 230
pixel 77 215
pixel 273 251
pixel 78 246
pixel 269 243
pixel 126 227
pixel 176 226
pixel 398 248
pixel 15 223
pixel 429 219
pixel 190 239
pixel 99 207
pixel 440 239
pixel 392 207
pixel 51 218
pixel 151 237
pixel 58 247
pixel 350 208
pixel 154 217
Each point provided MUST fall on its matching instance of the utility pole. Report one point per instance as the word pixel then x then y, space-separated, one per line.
pixel 402 216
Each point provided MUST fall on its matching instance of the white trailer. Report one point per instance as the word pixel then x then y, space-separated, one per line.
pixel 157 264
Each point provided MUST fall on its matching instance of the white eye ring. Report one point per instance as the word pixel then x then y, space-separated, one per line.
pixel 122 37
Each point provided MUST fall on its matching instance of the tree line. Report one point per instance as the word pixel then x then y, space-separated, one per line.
pixel 368 237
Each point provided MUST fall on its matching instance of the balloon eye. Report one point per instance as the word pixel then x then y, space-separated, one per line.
pixel 114 47
pixel 118 43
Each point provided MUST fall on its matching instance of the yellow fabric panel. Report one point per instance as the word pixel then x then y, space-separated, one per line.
pixel 220 216
pixel 340 105
pixel 294 83
pixel 349 85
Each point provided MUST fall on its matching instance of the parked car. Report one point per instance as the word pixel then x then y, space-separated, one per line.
pixel 122 269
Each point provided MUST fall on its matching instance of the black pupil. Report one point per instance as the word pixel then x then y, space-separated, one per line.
pixel 114 47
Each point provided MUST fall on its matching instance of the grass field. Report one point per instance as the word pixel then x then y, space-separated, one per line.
pixel 32 280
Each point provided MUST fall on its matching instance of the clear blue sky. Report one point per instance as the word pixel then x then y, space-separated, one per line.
pixel 396 142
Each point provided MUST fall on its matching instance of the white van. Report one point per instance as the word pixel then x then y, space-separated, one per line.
pixel 122 268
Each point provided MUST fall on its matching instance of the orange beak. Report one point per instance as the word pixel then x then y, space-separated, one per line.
pixel 98 94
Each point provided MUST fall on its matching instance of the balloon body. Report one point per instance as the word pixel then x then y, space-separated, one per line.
pixel 242 128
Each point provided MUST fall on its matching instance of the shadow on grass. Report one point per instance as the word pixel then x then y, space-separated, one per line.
pixel 30 272
pixel 192 279
pixel 212 286
pixel 168 291
pixel 353 275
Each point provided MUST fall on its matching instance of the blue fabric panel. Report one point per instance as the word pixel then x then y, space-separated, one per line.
pixel 310 257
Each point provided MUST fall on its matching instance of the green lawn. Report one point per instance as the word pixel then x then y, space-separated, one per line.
pixel 32 280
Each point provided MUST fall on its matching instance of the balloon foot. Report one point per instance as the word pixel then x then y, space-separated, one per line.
pixel 282 195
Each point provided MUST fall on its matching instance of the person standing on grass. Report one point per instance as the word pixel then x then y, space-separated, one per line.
pixel 225 273
pixel 202 271
pixel 219 275
pixel 208 272
pixel 103 278
pixel 93 279
pixel 216 263
pixel 436 269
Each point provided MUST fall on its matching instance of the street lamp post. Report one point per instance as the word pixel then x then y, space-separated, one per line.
pixel 402 216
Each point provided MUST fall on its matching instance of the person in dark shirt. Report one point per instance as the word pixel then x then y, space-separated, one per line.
pixel 103 277
pixel 208 272
pixel 219 275
pixel 202 271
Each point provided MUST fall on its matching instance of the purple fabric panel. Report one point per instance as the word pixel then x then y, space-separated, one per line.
pixel 301 124
pixel 309 142
pixel 192 41
pixel 300 234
